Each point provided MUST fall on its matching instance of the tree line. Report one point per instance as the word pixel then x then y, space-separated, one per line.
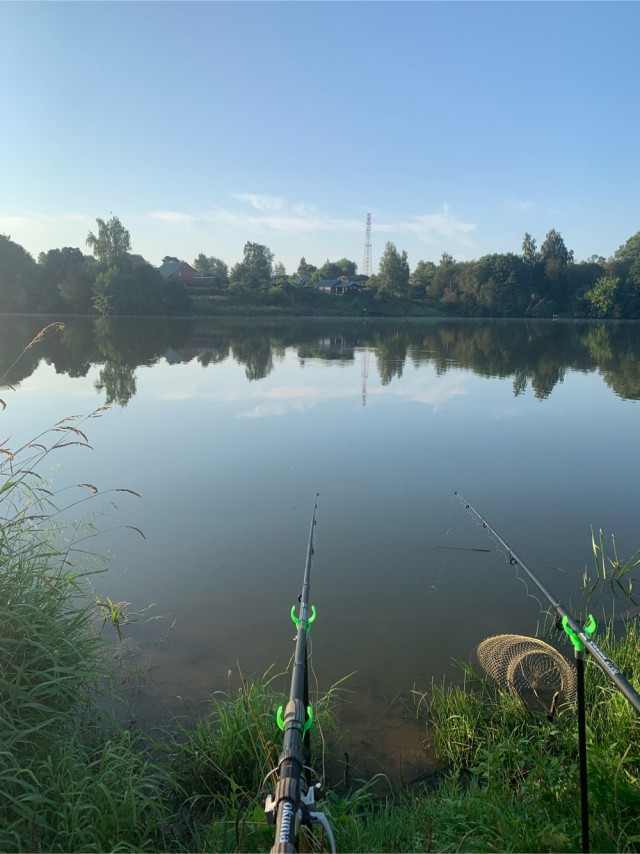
pixel 535 283
pixel 110 281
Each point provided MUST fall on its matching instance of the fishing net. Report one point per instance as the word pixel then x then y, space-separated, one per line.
pixel 528 668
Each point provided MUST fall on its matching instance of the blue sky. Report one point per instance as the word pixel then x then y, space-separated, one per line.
pixel 204 125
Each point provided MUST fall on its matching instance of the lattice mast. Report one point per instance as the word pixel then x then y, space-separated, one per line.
pixel 366 266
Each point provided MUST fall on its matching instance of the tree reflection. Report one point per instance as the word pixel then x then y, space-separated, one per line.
pixel 534 354
pixel 118 382
pixel 255 353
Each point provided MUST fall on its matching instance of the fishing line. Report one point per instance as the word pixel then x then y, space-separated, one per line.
pixel 447 548
pixel 436 584
pixel 508 560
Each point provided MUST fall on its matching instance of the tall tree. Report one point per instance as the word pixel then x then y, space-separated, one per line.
pixel 441 287
pixel 554 249
pixel 529 250
pixel 503 283
pixel 393 272
pixel 305 269
pixel 112 243
pixel 254 271
pixel 420 279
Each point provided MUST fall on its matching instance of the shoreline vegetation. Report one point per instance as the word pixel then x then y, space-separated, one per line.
pixel 72 779
pixel 543 282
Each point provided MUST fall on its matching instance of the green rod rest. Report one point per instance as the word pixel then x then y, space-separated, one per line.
pixel 307 724
pixel 309 621
pixel 589 629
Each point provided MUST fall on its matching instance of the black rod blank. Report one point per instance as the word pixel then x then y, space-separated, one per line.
pixel 291 785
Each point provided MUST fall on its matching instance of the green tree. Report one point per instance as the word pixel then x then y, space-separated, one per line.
pixel 168 259
pixel 421 278
pixel 393 272
pixel 555 258
pixel 208 265
pixel 626 264
pixel 19 278
pixel 602 299
pixel 503 283
pixel 441 286
pixel 132 286
pixel 254 272
pixel 554 249
pixel 305 269
pixel 336 269
pixel 112 243
pixel 71 274
pixel 529 251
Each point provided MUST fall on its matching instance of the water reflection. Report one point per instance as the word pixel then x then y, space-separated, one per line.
pixel 535 354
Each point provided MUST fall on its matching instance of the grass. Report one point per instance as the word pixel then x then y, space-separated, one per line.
pixel 70 780
pixel 290 301
pixel 500 753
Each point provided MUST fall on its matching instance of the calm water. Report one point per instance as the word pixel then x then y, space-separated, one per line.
pixel 228 429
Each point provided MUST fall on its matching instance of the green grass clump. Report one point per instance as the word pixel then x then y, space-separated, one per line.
pixel 231 750
pixel 69 780
pixel 224 764
pixel 521 769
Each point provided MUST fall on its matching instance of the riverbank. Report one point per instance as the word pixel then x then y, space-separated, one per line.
pixel 306 302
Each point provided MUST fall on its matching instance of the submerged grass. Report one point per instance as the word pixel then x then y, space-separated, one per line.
pixel 71 780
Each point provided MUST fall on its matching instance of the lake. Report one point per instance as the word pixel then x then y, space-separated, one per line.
pixel 228 428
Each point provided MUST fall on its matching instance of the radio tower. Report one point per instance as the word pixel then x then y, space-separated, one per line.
pixel 366 267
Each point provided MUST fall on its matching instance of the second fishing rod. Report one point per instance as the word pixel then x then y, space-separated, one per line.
pixel 581 639
pixel 568 621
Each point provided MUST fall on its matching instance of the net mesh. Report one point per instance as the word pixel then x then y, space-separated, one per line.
pixel 528 668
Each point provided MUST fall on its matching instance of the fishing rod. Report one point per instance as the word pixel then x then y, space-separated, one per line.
pixel 291 805
pixel 601 659
pixel 581 639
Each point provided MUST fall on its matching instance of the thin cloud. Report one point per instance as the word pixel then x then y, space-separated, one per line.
pixel 173 217
pixel 519 204
pixel 275 214
pixel 37 231
pixel 261 203
pixel 431 228
pixel 12 222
